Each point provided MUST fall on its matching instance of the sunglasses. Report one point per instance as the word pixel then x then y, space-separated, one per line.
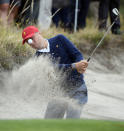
pixel 29 41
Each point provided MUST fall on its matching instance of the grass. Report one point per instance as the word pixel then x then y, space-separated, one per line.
pixel 12 52
pixel 11 47
pixel 60 125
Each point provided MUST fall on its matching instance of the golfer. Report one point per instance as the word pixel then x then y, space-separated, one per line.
pixel 70 61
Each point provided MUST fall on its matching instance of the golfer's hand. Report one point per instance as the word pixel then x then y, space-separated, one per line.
pixel 81 66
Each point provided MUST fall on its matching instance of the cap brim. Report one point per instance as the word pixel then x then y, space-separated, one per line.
pixel 27 37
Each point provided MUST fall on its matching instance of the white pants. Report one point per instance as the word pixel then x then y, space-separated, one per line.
pixel 57 108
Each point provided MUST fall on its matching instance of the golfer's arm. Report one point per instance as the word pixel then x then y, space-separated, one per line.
pixel 73 52
pixel 64 66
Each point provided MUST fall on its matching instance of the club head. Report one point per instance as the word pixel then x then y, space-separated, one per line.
pixel 115 11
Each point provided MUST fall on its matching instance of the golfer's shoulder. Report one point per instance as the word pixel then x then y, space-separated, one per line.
pixel 59 37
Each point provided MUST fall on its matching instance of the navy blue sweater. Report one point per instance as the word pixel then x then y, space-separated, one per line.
pixel 64 50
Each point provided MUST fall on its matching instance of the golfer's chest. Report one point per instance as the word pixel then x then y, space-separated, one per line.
pixel 60 54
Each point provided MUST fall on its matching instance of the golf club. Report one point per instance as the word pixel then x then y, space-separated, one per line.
pixel 116 12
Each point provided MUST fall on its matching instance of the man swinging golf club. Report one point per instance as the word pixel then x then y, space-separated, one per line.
pixel 70 61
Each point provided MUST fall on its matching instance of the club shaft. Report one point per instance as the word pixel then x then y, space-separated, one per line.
pixel 101 40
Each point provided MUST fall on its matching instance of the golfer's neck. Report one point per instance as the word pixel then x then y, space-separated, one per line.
pixel 45 43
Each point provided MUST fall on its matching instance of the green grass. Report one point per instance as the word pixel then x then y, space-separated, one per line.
pixel 60 125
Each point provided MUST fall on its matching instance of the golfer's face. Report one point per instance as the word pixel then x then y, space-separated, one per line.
pixel 35 41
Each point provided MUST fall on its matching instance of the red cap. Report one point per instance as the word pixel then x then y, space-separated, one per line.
pixel 28 32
